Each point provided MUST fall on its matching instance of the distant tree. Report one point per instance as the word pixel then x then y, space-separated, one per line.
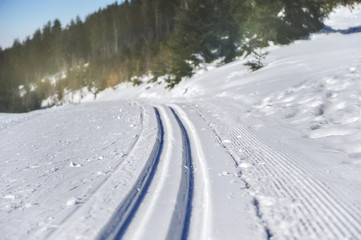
pixel 57 45
pixel 258 56
pixel 77 42
pixel 205 30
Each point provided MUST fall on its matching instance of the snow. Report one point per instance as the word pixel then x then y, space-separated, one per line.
pixel 55 163
pixel 342 19
pixel 83 95
pixel 274 153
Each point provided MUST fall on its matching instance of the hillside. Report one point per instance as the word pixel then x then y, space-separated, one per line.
pixel 165 39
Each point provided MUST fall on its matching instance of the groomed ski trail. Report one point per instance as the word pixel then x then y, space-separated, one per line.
pixel 168 198
pixel 284 189
pixel 166 209
pixel 193 172
pixel 201 222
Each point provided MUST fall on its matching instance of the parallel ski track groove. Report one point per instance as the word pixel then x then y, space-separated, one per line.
pixel 331 215
pixel 307 186
pixel 123 216
pixel 180 222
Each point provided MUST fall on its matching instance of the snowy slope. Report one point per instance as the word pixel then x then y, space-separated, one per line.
pixel 228 154
pixel 311 84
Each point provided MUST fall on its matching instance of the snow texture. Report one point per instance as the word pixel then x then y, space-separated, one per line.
pixel 228 154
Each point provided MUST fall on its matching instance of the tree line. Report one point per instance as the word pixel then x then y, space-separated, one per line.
pixel 164 38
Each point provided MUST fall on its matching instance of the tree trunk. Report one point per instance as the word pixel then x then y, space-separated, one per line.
pixel 185 4
pixel 115 37
pixel 156 22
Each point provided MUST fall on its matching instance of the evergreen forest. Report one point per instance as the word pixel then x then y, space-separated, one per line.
pixel 161 38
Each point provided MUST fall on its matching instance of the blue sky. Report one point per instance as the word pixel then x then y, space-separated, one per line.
pixel 20 18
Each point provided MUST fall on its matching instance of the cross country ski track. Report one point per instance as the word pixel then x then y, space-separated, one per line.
pixel 167 175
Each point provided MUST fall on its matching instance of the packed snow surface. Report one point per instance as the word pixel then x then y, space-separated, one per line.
pixel 227 154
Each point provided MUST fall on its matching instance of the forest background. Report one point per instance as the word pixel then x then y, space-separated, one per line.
pixel 165 39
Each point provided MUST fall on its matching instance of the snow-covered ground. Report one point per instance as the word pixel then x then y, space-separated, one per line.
pixel 228 154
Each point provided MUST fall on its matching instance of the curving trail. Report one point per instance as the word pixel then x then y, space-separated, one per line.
pixel 166 185
pixel 175 194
